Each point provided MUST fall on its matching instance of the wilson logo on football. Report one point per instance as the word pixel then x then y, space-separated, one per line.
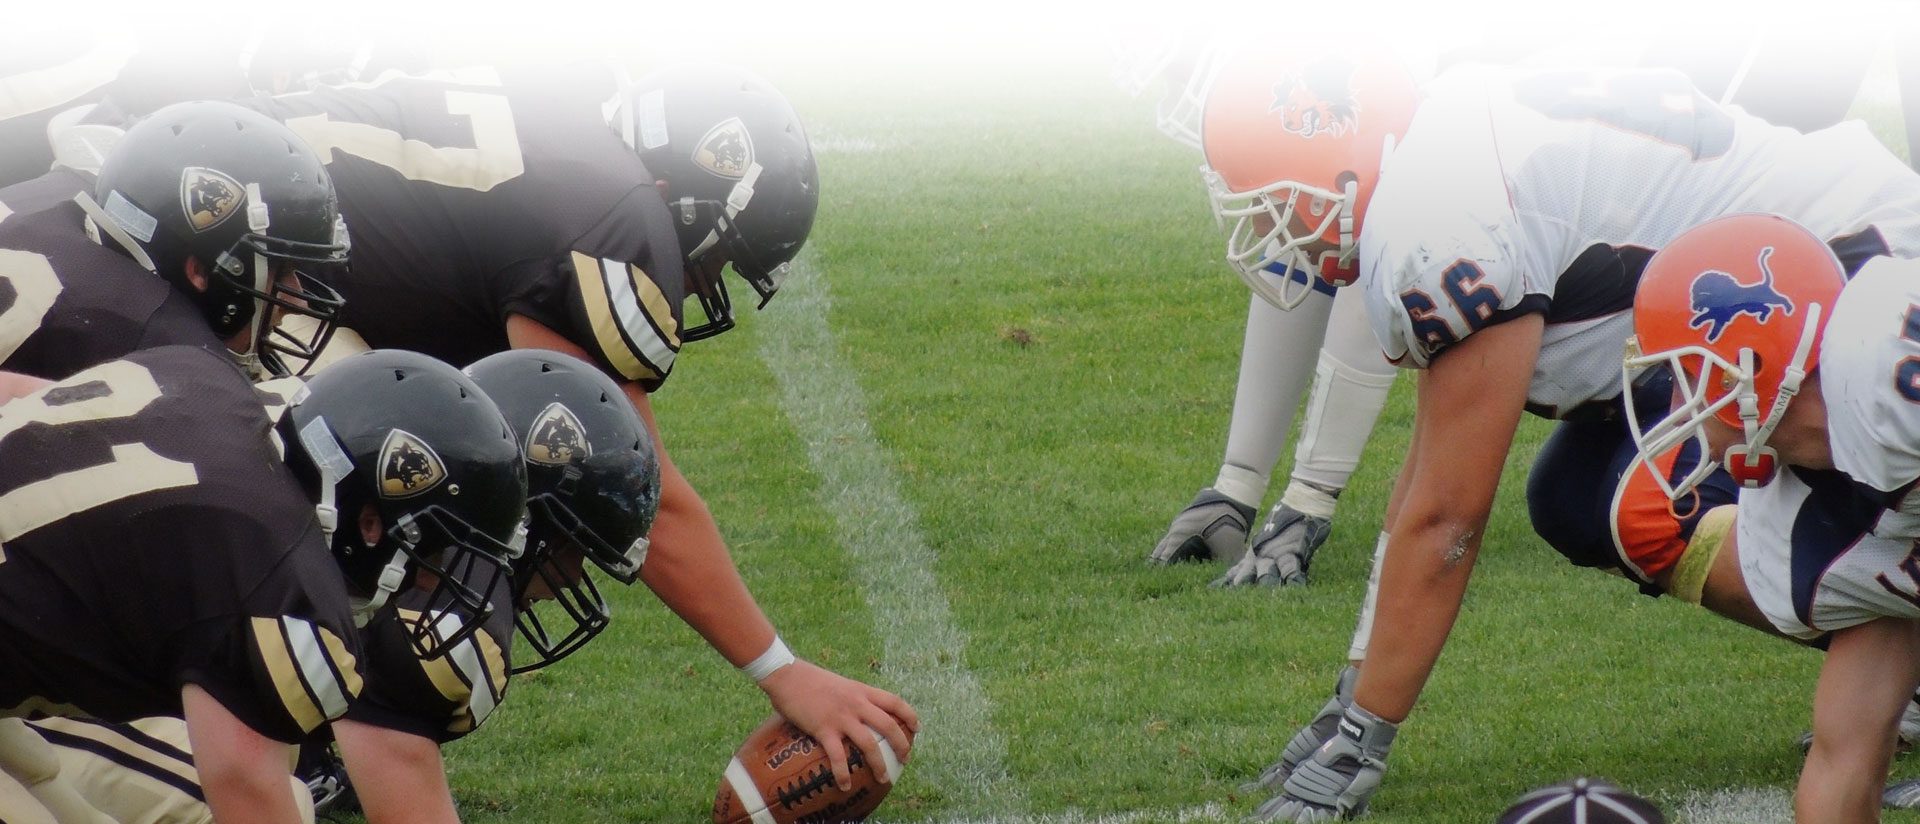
pixel 408 466
pixel 725 150
pixel 1718 297
pixel 208 196
pixel 556 437
pixel 1317 100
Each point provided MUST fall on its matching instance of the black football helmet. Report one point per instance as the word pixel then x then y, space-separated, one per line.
pixel 237 191
pixel 741 182
pixel 431 453
pixel 593 484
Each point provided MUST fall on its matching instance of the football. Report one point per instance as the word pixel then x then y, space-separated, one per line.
pixel 781 776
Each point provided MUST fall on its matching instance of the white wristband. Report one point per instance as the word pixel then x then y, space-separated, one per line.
pixel 769 662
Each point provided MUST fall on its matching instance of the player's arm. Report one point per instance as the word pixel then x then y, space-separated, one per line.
pixel 398 776
pixel 14 385
pixel 242 773
pixel 689 568
pixel 1868 678
pixel 1469 405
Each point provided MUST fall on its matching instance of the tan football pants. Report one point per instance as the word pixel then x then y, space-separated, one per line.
pixel 103 776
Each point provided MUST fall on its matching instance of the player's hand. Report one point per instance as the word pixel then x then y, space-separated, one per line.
pixel 1336 781
pixel 1212 528
pixel 1281 552
pixel 1310 737
pixel 835 710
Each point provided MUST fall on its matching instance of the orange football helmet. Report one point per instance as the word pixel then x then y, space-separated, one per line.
pixel 1735 308
pixel 1294 141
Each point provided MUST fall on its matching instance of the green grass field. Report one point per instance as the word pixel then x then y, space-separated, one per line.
pixel 1025 284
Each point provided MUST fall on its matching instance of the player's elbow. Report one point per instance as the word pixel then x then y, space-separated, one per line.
pixel 1448 538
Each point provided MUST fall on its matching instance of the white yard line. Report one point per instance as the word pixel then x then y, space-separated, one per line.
pixel 959 750
pixel 1204 814
pixel 1756 805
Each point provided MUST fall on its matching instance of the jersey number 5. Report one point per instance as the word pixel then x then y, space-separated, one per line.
pixel 111 391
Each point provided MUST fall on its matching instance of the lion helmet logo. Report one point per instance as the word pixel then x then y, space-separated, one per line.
pixel 557 438
pixel 1317 100
pixel 726 149
pixel 208 196
pixel 408 466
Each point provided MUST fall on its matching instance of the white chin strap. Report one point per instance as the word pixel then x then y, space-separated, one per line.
pixel 391 576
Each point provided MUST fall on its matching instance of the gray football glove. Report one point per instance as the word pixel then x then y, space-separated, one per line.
pixel 1310 737
pixel 1212 528
pixel 1281 552
pixel 1338 779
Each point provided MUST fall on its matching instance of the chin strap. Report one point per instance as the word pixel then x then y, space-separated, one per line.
pixel 1754 464
pixel 391 576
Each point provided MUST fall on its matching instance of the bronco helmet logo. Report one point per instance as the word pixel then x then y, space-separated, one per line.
pixel 1318 100
pixel 1718 298
pixel 408 466
pixel 208 196
pixel 725 150
pixel 556 438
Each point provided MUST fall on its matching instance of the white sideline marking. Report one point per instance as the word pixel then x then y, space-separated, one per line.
pixel 1754 805
pixel 1192 815
pixel 924 652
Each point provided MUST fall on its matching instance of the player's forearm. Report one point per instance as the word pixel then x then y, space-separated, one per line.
pixel 1422 584
pixel 14 385
pixel 1865 683
pixel 689 569
pixel 398 777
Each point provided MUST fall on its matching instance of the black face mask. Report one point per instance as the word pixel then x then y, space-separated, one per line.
pixel 557 627
pixel 470 566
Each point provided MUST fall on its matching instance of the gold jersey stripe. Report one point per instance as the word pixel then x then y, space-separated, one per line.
pixel 658 308
pixel 605 327
pixel 448 681
pixel 343 662
pixel 286 674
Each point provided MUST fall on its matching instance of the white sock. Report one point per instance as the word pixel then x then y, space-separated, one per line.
pixel 1273 377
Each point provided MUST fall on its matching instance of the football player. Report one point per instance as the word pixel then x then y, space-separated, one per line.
pixel 536 213
pixel 431 473
pixel 1350 384
pixel 227 207
pixel 1804 385
pixel 1497 228
pixel 162 558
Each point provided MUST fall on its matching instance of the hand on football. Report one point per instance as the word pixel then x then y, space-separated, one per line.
pixel 1338 779
pixel 1281 552
pixel 1212 528
pixel 835 710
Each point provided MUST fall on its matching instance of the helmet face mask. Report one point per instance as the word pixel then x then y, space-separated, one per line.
pixel 1275 263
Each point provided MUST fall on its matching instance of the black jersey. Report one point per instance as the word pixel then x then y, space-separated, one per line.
pixel 151 538
pixel 470 200
pixel 67 302
pixel 443 698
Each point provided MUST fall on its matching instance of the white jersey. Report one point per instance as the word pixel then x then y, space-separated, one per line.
pixel 1521 192
pixel 1825 551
